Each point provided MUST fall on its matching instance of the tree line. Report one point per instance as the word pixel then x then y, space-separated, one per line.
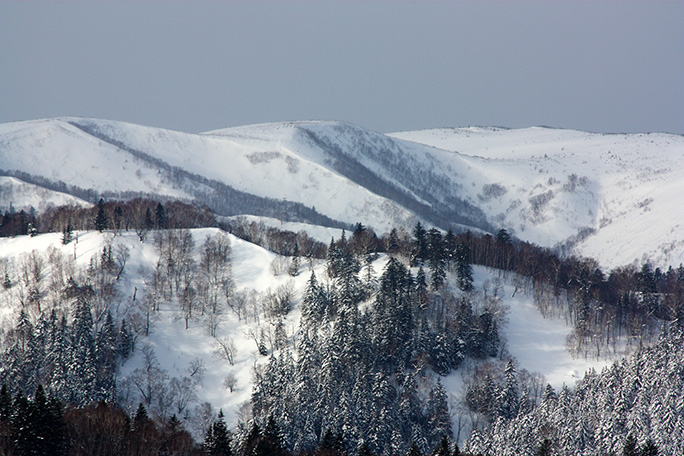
pixel 633 407
pixel 140 215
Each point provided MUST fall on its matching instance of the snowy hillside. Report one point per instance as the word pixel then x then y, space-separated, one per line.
pixel 15 193
pixel 537 343
pixel 612 197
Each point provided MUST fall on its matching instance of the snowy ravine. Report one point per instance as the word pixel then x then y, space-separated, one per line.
pixel 538 343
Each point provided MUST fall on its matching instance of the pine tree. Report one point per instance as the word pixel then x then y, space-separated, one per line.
pixel 443 449
pixel 631 448
pixel 149 219
pixel 420 248
pixel 105 351
pixel 82 367
pixel 217 441
pixel 252 440
pixel 392 246
pixel 47 426
pixel 7 281
pixel 421 289
pixel 118 217
pixel 101 221
pixel 414 450
pixel 464 268
pixel 437 258
pixel 160 217
pixel 503 237
pixel 295 261
pixel 439 420
pixel 312 308
pixel 271 443
pixel 5 404
pixel 67 233
pixel 22 429
pixel 544 448
pixel 124 344
pixel 649 449
pixel 508 401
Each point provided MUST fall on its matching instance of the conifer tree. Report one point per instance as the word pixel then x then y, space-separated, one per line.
pixel 101 221
pixel 439 421
pixel 217 441
pixel 271 443
pixel 464 268
pixel 160 214
pixel 420 248
pixel 67 233
pixel 509 398
pixel 436 257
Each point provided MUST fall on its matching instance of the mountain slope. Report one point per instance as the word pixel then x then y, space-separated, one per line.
pixel 537 342
pixel 612 197
pixel 15 193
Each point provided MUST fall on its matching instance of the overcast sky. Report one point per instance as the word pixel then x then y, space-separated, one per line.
pixel 608 66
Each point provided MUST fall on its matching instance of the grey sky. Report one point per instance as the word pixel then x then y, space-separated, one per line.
pixel 613 66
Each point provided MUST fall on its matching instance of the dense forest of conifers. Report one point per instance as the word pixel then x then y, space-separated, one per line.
pixel 355 377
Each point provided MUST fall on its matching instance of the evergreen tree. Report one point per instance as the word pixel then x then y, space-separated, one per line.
pixel 118 217
pixel 439 421
pixel 7 281
pixel 23 431
pixel 124 345
pixel 421 289
pixel 160 214
pixel 414 450
pixel 105 351
pixel 5 404
pixel 649 449
pixel 47 426
pixel 544 448
pixel 631 447
pixel 508 401
pixel 420 249
pixel 295 261
pixel 67 233
pixel 464 268
pixel 271 443
pixel 101 221
pixel 443 448
pixel 392 246
pixel 312 304
pixel 503 237
pixel 217 441
pixel 437 258
pixel 82 367
pixel 252 440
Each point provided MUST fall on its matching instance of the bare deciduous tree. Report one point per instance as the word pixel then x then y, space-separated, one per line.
pixel 225 349
pixel 230 382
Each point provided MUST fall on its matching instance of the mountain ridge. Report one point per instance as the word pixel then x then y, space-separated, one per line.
pixel 581 193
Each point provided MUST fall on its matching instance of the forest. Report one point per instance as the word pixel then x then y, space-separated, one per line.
pixel 362 372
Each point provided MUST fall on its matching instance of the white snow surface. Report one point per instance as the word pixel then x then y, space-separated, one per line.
pixel 538 343
pixel 614 197
pixel 621 191
pixel 18 195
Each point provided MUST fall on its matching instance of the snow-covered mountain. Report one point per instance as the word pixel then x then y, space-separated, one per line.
pixel 15 193
pixel 612 197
